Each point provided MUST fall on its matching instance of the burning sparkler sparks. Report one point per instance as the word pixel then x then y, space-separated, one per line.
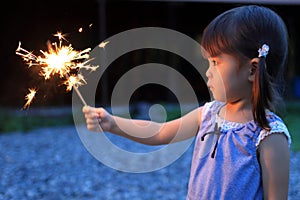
pixel 59 59
pixel 103 44
pixel 29 97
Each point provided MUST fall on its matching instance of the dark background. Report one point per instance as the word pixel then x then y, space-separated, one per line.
pixel 33 22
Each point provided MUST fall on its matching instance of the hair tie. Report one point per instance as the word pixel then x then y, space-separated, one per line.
pixel 263 51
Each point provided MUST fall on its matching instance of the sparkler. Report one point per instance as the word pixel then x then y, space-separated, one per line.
pixel 29 97
pixel 103 44
pixel 59 59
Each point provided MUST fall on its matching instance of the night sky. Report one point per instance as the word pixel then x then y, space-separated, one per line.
pixel 34 22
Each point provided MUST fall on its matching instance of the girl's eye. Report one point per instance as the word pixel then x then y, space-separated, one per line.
pixel 213 62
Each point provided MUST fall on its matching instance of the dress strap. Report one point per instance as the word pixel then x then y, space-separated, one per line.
pixel 217 131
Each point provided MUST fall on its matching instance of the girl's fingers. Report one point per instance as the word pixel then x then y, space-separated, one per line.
pixel 93 128
pixel 94 117
pixel 91 116
pixel 86 109
pixel 91 121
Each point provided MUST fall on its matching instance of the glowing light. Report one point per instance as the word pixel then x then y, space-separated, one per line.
pixel 61 60
pixel 29 97
pixel 103 44
pixel 74 81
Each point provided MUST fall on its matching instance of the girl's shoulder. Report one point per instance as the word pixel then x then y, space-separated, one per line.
pixel 212 107
pixel 277 125
pixel 209 112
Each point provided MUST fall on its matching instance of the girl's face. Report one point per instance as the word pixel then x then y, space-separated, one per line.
pixel 227 80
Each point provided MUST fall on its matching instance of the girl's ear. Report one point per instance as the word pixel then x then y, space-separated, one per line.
pixel 253 68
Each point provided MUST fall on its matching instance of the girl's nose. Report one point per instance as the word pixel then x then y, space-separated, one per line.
pixel 208 73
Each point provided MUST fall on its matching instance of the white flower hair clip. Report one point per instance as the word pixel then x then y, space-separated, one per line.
pixel 263 51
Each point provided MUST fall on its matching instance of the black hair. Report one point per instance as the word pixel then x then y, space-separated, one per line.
pixel 241 32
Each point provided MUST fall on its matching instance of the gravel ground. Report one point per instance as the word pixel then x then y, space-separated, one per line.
pixel 52 163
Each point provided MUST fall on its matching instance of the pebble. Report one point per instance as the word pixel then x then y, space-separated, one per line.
pixel 52 163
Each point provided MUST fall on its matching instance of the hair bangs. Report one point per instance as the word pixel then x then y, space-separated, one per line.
pixel 218 37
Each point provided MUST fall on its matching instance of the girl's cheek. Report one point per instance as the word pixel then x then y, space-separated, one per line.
pixel 219 92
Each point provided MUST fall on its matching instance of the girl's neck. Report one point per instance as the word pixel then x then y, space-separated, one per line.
pixel 238 111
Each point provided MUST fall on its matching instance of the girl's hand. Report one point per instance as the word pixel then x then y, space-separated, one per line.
pixel 97 119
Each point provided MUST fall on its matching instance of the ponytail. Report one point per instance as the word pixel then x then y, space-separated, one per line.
pixel 261 94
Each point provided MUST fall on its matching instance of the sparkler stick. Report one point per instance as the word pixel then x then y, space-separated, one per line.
pixel 80 96
pixel 59 60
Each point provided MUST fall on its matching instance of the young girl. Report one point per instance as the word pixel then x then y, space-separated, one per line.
pixel 242 147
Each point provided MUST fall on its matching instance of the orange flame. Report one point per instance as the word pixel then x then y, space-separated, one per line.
pixel 29 97
pixel 59 59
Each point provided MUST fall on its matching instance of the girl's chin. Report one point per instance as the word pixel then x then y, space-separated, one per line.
pixel 218 98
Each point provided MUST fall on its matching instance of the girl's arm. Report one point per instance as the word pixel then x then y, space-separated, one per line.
pixel 144 131
pixel 275 162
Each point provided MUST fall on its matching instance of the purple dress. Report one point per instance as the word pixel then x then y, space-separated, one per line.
pixel 225 163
